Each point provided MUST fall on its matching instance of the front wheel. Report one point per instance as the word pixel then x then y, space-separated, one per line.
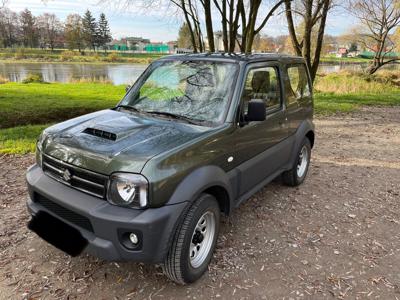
pixel 194 241
pixel 298 173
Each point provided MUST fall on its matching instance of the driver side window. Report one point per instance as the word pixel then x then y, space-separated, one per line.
pixel 262 84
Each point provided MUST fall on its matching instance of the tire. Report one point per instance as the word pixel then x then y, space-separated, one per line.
pixel 296 175
pixel 181 265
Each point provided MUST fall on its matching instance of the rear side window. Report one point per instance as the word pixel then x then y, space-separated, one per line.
pixel 299 85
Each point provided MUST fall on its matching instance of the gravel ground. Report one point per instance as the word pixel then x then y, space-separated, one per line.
pixel 336 236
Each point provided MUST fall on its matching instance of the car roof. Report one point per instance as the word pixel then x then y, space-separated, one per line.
pixel 236 57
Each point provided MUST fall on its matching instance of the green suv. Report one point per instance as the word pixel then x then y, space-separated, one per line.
pixel 194 137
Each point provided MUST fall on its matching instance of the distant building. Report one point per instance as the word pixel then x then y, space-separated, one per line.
pixel 219 42
pixel 342 52
pixel 172 45
pixel 156 48
pixel 139 44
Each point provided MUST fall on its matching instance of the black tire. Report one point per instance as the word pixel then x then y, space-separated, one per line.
pixel 177 265
pixel 291 177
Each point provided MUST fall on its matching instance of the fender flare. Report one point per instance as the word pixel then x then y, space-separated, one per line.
pixel 199 180
pixel 305 127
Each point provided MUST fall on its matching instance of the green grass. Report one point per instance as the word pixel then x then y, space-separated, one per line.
pixel 35 103
pixel 346 91
pixel 20 140
pixel 26 109
pixel 349 60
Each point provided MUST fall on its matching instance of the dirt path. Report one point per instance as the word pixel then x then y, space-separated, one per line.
pixel 336 236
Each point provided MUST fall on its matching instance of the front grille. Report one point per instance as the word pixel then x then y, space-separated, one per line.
pixel 63 212
pixel 78 178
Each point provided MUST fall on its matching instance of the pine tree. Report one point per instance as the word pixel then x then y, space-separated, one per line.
pixel 89 30
pixel 103 32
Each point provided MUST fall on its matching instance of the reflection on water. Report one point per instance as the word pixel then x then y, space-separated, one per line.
pixel 116 73
pixel 331 68
pixel 55 72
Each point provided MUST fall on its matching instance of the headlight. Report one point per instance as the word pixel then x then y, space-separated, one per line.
pixel 127 190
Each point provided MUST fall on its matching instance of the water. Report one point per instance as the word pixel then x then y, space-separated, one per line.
pixel 58 72
pixel 116 73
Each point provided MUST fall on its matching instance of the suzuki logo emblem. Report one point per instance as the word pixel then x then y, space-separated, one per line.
pixel 67 175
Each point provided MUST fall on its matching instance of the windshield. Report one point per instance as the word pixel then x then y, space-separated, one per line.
pixel 195 90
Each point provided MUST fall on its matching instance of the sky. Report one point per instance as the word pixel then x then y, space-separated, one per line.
pixel 155 23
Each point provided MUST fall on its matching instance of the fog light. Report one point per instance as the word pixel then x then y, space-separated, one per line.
pixel 134 238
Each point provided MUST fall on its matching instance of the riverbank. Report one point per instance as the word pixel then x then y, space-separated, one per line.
pixel 26 109
pixel 344 60
pixel 21 55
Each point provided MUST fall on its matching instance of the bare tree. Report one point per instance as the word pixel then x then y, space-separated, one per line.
pixel 379 19
pixel 313 15
pixel 9 27
pixel 3 3
pixel 248 15
pixel 74 32
pixel 50 29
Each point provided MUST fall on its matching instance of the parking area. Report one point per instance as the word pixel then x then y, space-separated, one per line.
pixel 336 236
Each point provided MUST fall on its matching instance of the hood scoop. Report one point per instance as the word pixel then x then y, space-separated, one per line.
pixel 101 133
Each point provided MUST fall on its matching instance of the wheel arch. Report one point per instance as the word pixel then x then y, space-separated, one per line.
pixel 208 179
pixel 305 130
pixel 311 136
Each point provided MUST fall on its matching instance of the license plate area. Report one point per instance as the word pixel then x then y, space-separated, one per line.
pixel 58 233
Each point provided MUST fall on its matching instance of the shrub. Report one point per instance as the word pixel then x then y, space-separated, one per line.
pixel 3 79
pixel 20 53
pixel 67 55
pixel 112 57
pixel 33 78
pixel 97 79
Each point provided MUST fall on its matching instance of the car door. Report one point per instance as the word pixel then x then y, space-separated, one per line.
pixel 257 151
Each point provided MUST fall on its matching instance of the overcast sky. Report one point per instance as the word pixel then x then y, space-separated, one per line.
pixel 154 24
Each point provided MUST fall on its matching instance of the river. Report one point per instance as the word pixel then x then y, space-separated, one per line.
pixel 116 73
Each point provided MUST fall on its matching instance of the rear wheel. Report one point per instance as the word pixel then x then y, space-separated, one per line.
pixel 194 241
pixel 298 173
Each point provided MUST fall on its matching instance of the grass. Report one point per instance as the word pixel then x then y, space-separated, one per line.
pixel 12 55
pixel 346 91
pixel 26 109
pixel 35 103
pixel 20 139
pixel 347 60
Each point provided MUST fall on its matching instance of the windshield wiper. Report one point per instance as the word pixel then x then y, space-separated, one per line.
pixel 129 107
pixel 176 116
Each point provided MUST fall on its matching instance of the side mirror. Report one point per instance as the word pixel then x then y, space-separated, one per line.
pixel 127 88
pixel 256 110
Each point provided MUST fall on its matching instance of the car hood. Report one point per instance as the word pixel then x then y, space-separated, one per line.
pixel 109 141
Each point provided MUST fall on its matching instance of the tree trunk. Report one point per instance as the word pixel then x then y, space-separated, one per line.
pixel 292 31
pixel 209 26
pixel 307 33
pixel 320 40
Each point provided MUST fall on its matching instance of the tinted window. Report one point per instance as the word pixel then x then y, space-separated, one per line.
pixel 263 83
pixel 299 85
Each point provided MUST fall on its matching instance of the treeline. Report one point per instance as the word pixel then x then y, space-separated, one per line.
pixel 47 31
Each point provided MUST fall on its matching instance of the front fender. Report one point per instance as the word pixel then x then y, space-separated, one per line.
pixel 198 181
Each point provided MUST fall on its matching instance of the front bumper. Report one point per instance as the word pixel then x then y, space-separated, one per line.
pixel 107 223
